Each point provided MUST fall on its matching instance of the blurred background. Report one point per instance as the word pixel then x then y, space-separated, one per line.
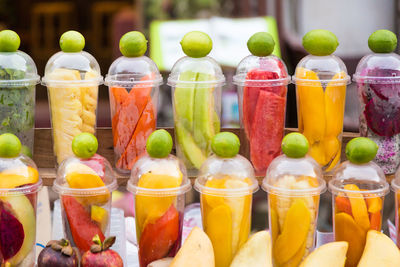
pixel 229 22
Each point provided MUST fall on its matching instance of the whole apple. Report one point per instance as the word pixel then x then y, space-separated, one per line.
pixel 100 254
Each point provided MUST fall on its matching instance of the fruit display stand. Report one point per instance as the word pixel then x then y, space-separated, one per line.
pixel 43 153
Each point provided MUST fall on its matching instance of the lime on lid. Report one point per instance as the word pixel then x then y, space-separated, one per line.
pixel 72 42
pixel 10 146
pixel 320 42
pixel 133 44
pixel 361 150
pixel 295 145
pixel 196 44
pixel 225 145
pixel 159 144
pixel 84 145
pixel 382 41
pixel 261 44
pixel 9 41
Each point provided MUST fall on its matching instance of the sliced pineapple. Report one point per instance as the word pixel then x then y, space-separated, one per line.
pixel 89 97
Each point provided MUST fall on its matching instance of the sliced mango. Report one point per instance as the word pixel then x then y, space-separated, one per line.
pixel 218 227
pixel 15 177
pixel 296 259
pixel 274 225
pixel 346 229
pixel 294 232
pixel 317 152
pixel 335 96
pixel 374 204
pixel 212 200
pixel 99 215
pixel 358 206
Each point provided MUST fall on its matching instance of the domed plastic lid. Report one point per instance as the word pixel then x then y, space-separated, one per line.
pixel 17 69
pixel 133 71
pixel 378 68
pixel 202 72
pixel 85 177
pixel 236 175
pixel 294 176
pixel 368 177
pixel 396 181
pixel 261 71
pixel 158 177
pixel 325 69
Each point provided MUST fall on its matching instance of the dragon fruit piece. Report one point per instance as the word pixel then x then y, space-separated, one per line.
pixel 97 164
pixel 11 234
pixel 383 117
pixel 388 90
pixel 388 156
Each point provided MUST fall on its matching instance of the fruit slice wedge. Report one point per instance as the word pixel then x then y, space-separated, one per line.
pixel 15 177
pixel 358 206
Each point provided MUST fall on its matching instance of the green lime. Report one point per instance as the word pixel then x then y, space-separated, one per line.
pixel 295 145
pixel 26 151
pixel 261 44
pixel 382 41
pixel 9 41
pixel 84 145
pixel 72 42
pixel 320 42
pixel 196 44
pixel 10 146
pixel 159 144
pixel 361 150
pixel 225 144
pixel 133 44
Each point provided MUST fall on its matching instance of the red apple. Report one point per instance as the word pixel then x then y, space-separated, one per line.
pixel 100 254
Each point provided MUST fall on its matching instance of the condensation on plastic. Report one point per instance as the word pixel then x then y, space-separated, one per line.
pixel 375 63
pixel 326 67
pixel 61 186
pixel 80 61
pixel 162 166
pixel 369 177
pixel 19 61
pixel 215 167
pixel 283 166
pixel 204 65
pixel 270 63
pixel 129 71
pixel 19 163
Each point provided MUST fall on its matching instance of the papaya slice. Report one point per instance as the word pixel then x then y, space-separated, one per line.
pixel 343 205
pixel 375 220
pixel 294 232
pixel 358 206
pixel 117 96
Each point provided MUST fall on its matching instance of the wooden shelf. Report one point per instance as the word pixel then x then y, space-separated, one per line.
pixel 45 160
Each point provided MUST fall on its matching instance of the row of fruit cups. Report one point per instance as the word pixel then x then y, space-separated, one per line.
pixel 72 77
pixel 226 182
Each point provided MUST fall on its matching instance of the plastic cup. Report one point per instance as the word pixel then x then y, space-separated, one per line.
pixel 158 211
pixel 294 187
pixel 133 89
pixel 196 99
pixel 396 190
pixel 72 81
pixel 378 84
pixel 18 79
pixel 321 92
pixel 262 87
pixel 357 197
pixel 18 224
pixel 226 186
pixel 85 210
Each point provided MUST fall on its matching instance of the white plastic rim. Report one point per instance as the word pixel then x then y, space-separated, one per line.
pixel 332 82
pixel 20 83
pixel 234 192
pixel 384 190
pixel 240 80
pixel 23 190
pixel 376 80
pixel 67 191
pixel 174 191
pixel 313 191
pixel 394 186
pixel 115 80
pixel 78 83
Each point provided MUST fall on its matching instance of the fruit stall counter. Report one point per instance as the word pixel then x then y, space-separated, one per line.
pixel 43 155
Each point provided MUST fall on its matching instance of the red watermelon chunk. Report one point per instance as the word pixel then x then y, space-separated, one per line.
pixel 267 130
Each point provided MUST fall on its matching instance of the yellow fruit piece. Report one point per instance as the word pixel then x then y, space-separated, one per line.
pixel 296 259
pixel 317 152
pixel 358 206
pixel 89 97
pixel 246 222
pixel 294 232
pixel 214 200
pixel 311 101
pixel 23 175
pixel 332 148
pixel 218 226
pixel 274 224
pixel 346 229
pixel 374 203
pixel 335 96
pixel 336 160
pixel 99 215
pixel 332 254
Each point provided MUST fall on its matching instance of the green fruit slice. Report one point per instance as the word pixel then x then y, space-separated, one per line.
pixel 189 147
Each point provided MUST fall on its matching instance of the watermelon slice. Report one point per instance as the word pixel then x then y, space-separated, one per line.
pixel 137 145
pixel 267 130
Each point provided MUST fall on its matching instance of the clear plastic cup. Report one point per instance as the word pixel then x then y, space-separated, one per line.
pixel 378 83
pixel 85 187
pixel 133 84
pixel 158 186
pixel 262 87
pixel 358 192
pixel 19 186
pixel 196 98
pixel 226 186
pixel 321 92
pixel 18 79
pixel 396 190
pixel 294 186
pixel 72 81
